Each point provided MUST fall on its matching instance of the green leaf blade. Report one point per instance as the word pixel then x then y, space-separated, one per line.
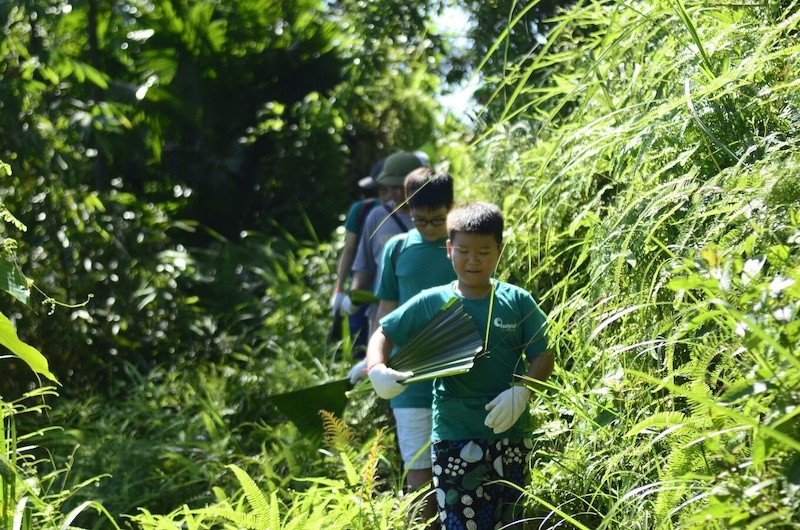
pixel 32 357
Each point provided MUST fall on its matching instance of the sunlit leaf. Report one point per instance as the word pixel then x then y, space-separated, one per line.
pixel 29 354
pixel 361 296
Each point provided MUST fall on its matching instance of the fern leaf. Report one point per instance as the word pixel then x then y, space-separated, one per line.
pixel 370 469
pixel 261 507
pixel 657 421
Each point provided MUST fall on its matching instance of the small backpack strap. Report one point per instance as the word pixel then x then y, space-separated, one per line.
pixel 396 218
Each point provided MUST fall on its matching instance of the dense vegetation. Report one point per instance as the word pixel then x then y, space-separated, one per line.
pixel 646 157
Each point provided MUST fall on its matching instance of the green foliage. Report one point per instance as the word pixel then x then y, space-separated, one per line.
pixel 238 114
pixel 648 179
pixel 13 282
pixel 34 494
pixel 649 192
pixel 347 502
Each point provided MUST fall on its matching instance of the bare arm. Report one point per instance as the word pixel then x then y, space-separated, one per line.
pixel 361 280
pixel 346 260
pixel 541 368
pixel 378 349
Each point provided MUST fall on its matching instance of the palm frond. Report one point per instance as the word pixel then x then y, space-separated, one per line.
pixel 362 296
pixel 446 345
pixel 302 407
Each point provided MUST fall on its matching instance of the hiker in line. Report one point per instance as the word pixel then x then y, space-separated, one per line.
pixel 481 433
pixel 353 226
pixel 414 261
pixel 381 224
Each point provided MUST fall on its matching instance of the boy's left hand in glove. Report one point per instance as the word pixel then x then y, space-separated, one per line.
pixel 506 408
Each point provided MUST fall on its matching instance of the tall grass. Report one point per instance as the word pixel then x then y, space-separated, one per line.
pixel 34 493
pixel 652 186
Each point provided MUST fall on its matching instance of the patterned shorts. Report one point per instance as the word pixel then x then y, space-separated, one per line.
pixel 471 477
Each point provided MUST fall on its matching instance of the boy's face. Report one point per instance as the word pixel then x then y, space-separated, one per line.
pixel 474 258
pixel 431 223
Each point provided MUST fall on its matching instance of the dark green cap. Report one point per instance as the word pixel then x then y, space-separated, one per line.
pixel 396 167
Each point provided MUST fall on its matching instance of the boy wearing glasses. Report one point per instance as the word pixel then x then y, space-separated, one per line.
pixel 412 262
pixel 481 434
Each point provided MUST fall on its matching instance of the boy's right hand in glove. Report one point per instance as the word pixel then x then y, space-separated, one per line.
pixel 386 381
pixel 506 408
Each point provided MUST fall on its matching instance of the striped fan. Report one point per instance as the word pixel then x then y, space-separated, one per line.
pixel 446 345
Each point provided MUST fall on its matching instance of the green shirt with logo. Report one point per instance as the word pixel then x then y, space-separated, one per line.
pixel 517 332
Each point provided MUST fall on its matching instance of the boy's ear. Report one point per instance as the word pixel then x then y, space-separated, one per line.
pixel 449 245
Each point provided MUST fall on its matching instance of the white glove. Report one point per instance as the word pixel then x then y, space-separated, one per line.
pixel 506 408
pixel 385 381
pixel 358 372
pixel 336 302
pixel 349 307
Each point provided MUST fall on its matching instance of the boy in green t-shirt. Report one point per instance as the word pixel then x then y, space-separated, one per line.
pixel 412 262
pixel 476 454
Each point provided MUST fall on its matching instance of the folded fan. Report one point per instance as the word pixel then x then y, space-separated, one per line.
pixel 446 345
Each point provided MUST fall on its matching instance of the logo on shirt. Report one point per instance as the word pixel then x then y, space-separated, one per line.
pixel 498 323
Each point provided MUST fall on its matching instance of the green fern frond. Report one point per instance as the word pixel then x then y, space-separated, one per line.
pixel 264 511
pixel 242 520
pixel 350 471
pixel 698 399
pixel 684 464
pixel 661 420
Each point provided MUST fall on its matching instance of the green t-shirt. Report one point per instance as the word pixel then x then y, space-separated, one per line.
pixel 518 332
pixel 421 264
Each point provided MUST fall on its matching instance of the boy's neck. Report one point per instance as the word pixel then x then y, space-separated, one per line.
pixel 474 292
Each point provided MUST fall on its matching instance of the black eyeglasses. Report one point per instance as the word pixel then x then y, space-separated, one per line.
pixel 422 223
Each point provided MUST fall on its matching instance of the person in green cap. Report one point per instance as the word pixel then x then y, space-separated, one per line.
pixel 381 224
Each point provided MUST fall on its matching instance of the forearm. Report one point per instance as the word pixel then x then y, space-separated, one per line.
pixel 378 349
pixel 346 260
pixel 540 368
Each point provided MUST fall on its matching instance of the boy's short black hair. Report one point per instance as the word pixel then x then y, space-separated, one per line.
pixel 428 189
pixel 482 218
